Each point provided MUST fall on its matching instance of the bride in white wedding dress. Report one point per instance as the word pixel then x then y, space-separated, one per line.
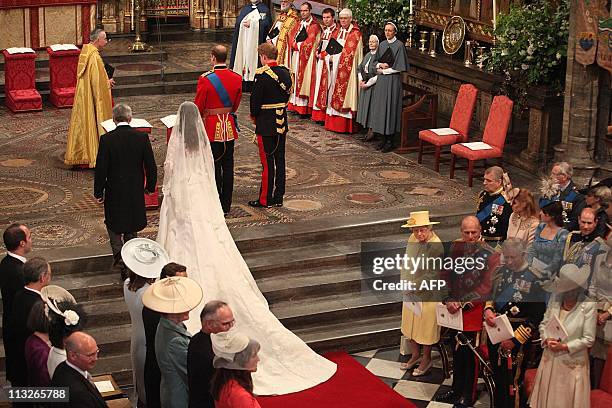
pixel 192 229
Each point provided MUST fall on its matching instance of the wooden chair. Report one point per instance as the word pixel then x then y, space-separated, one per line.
pixel 460 122
pixel 494 135
pixel 422 111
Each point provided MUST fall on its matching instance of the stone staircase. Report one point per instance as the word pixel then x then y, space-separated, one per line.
pixel 310 277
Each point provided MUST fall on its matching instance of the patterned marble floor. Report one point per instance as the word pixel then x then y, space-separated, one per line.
pixel 328 175
pixel 421 391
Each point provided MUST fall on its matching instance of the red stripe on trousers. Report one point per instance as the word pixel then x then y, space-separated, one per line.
pixel 474 385
pixel 263 195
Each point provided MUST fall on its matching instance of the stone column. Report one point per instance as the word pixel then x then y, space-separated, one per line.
pixel 580 109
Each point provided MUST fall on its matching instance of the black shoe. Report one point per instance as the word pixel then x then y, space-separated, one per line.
pixel 388 147
pixel 370 137
pixel 277 203
pixel 257 204
pixel 449 397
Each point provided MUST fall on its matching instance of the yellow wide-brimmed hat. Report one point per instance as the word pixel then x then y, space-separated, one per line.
pixel 418 219
pixel 176 294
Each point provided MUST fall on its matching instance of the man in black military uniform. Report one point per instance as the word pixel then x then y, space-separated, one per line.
pixel 517 293
pixel 566 192
pixel 493 210
pixel 269 111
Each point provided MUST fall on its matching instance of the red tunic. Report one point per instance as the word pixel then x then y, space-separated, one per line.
pixel 220 127
pixel 232 395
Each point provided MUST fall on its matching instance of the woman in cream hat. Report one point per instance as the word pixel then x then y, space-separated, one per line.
pixel 235 359
pixel 144 260
pixel 421 330
pixel 562 379
pixel 173 298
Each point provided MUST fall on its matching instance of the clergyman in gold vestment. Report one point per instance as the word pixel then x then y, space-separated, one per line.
pixel 92 104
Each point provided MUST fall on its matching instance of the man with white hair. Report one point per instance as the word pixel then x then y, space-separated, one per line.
pixel 279 34
pixel 320 75
pixel 565 191
pixel 92 104
pixel 302 41
pixel 124 159
pixel 493 209
pixel 344 92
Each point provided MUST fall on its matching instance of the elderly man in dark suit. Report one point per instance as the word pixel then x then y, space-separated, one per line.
pixel 125 157
pixel 18 242
pixel 36 275
pixel 81 356
pixel 216 317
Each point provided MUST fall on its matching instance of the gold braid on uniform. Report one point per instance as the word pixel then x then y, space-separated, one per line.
pixel 522 333
pixel 267 70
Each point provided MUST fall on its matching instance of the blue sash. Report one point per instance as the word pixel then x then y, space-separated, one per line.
pixel 223 95
pixel 485 212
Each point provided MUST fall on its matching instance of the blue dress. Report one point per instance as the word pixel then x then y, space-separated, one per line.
pixel 548 251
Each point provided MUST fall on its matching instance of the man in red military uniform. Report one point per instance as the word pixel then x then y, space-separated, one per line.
pixel 469 289
pixel 218 97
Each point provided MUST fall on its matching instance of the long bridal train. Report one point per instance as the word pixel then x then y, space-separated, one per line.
pixel 192 229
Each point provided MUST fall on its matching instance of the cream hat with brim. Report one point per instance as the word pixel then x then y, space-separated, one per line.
pixel 418 219
pixel 173 295
pixel 56 293
pixel 227 344
pixel 144 257
pixel 570 277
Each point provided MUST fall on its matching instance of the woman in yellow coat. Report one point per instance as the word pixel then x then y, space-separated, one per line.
pixel 421 330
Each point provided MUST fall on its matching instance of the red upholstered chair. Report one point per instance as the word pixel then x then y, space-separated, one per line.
pixel 494 135
pixel 62 76
pixel 602 397
pixel 460 121
pixel 20 82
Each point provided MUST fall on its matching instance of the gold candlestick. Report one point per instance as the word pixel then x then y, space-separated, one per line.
pixel 433 39
pixel 423 41
pixel 138 45
pixel 469 53
pixel 410 41
pixel 481 57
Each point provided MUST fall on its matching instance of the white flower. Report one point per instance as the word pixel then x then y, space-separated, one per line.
pixel 71 318
pixel 522 53
pixel 524 67
pixel 558 55
pixel 514 310
pixel 504 52
pixel 513 42
pixel 530 49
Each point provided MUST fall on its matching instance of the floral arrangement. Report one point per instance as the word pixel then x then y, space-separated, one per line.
pixel 531 47
pixel 375 14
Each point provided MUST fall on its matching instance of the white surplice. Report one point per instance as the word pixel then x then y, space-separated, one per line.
pixel 245 63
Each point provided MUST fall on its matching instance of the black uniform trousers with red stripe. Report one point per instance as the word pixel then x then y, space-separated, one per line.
pixel 272 156
pixel 223 153
pixel 465 369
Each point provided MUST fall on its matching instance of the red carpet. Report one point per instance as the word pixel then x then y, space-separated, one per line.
pixel 353 386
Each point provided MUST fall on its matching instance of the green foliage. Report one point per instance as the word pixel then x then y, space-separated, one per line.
pixel 376 13
pixel 531 47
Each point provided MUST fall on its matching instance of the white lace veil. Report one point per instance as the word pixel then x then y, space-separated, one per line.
pixel 188 158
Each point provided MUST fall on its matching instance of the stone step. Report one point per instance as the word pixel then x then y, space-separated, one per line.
pixel 42 58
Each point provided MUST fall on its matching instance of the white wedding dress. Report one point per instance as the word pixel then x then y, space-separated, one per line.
pixel 192 229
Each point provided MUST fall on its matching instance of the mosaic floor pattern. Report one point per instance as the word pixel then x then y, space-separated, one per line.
pixel 327 175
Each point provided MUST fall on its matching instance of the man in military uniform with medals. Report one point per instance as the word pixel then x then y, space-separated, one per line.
pixel 470 285
pixel 217 98
pixel 493 210
pixel 517 293
pixel 564 190
pixel 585 248
pixel 269 111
